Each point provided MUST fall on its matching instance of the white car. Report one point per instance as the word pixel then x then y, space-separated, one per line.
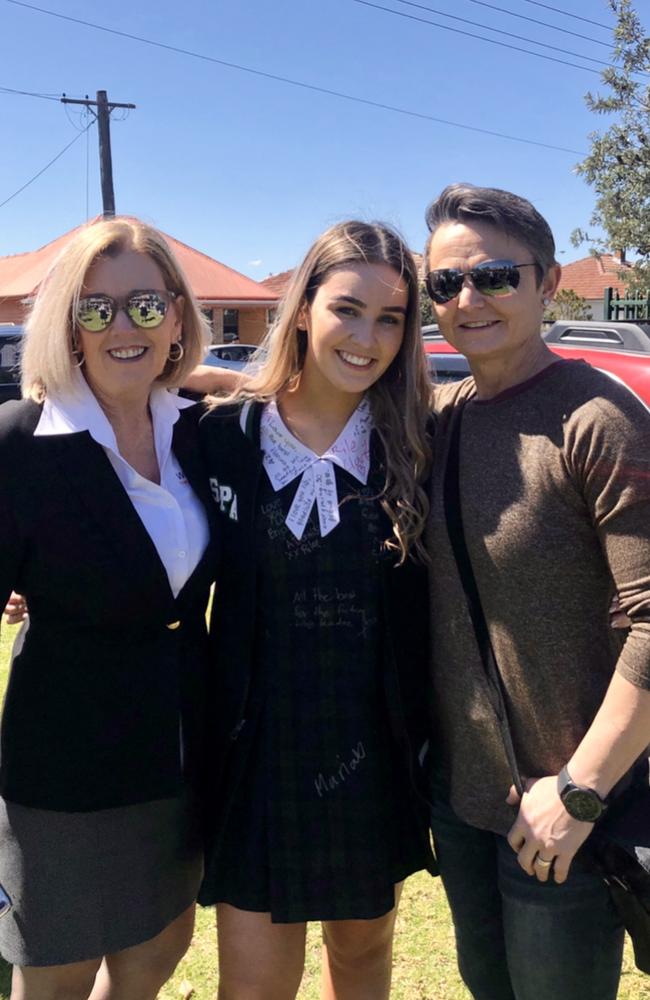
pixel 234 356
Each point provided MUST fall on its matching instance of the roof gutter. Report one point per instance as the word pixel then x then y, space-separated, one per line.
pixel 239 303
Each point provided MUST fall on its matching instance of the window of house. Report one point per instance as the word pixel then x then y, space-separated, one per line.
pixel 230 325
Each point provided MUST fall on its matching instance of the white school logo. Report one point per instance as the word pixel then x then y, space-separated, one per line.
pixel 225 498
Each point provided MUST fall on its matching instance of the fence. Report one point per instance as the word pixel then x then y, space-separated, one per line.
pixel 616 306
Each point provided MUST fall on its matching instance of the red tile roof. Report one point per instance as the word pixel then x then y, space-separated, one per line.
pixel 277 283
pixel 591 275
pixel 21 274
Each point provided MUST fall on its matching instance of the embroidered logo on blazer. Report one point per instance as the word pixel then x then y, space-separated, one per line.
pixel 225 498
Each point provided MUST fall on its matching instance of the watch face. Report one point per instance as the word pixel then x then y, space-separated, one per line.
pixel 582 805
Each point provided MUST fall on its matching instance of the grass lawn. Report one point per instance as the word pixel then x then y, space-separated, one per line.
pixel 425 967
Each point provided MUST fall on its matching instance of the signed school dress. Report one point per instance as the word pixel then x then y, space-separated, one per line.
pixel 321 820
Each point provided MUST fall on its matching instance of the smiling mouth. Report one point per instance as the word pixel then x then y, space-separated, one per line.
pixel 356 360
pixel 479 324
pixel 127 353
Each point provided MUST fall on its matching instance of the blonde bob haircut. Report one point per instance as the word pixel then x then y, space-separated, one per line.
pixel 47 363
pixel 399 400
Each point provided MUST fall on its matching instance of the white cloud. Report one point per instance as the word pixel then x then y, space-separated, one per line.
pixel 254 263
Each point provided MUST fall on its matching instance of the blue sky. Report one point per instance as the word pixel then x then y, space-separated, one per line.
pixel 251 169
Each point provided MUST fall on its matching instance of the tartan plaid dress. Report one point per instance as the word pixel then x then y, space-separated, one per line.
pixel 323 821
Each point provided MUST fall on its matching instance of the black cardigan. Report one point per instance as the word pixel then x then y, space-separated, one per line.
pixel 234 463
pixel 111 661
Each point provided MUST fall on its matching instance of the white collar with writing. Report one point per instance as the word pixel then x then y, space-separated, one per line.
pixel 286 458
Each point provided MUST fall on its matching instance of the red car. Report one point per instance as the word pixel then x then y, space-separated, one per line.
pixel 619 348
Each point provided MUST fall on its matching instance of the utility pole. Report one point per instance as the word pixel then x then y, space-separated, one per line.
pixel 103 114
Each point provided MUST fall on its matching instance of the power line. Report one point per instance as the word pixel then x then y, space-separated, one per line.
pixel 80 115
pixel 27 93
pixel 576 17
pixel 102 109
pixel 544 24
pixel 467 34
pixel 296 83
pixel 90 122
pixel 46 167
pixel 499 31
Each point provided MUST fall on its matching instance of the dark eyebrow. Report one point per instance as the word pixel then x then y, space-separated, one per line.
pixel 362 305
pixel 351 299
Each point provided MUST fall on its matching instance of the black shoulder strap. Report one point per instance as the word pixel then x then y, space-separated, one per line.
pixel 454 518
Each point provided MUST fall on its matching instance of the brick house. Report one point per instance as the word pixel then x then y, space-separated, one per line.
pixel 276 284
pixel 236 306
pixel 590 276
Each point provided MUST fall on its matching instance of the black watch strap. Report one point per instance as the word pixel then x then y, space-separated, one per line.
pixel 580 802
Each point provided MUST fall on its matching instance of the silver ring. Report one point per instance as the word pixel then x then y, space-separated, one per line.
pixel 542 862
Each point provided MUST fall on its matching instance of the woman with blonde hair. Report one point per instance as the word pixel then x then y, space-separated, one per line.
pixel 104 527
pixel 318 628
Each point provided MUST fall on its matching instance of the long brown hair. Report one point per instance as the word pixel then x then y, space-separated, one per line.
pixel 399 400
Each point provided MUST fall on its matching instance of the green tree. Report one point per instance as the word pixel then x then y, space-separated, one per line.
pixel 567 304
pixel 637 280
pixel 427 314
pixel 618 166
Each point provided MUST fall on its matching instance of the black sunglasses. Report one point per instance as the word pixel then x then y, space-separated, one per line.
pixel 493 278
pixel 145 309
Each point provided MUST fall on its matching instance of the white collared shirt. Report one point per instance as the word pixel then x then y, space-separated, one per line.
pixel 171 512
pixel 286 458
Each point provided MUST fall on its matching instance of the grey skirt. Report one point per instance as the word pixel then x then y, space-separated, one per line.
pixel 85 885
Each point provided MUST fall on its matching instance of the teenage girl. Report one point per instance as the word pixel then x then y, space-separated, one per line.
pixel 319 627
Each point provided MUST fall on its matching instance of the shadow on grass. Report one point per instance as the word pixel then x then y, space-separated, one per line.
pixel 5 980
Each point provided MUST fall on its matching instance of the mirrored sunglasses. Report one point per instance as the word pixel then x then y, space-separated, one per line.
pixel 492 278
pixel 145 309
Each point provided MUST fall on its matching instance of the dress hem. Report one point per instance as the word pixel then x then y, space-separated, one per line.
pixel 289 916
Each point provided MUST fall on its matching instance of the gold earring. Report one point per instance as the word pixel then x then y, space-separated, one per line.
pixel 179 353
pixel 77 354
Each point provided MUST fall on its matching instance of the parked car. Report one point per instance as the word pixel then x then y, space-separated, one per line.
pixel 619 348
pixel 234 356
pixel 10 340
pixel 447 366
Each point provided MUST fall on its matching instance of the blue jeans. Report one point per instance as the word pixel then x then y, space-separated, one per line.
pixel 520 939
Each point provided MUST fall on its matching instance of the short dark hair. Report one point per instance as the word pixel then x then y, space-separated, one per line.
pixel 513 215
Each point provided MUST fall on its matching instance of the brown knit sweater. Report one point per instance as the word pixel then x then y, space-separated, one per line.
pixel 555 493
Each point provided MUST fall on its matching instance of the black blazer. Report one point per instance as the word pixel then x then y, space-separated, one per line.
pixel 113 667
pixel 234 462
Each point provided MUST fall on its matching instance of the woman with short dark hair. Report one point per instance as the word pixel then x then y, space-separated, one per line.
pixel 554 499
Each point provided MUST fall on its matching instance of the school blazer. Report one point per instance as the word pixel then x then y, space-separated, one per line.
pixel 105 699
pixel 234 463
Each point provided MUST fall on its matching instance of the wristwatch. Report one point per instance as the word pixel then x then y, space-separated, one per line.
pixel 580 802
